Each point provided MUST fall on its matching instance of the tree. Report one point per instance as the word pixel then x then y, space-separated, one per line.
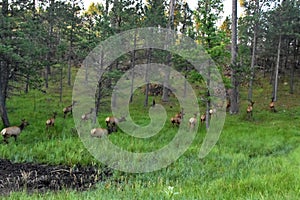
pixel 206 16
pixel 234 107
pixel 282 31
pixel 254 43
pixel 21 50
pixel 72 21
pixel 170 26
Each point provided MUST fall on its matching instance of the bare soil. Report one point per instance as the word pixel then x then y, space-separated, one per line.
pixel 33 177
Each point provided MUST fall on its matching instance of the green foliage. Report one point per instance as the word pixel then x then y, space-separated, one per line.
pixel 252 159
pixel 257 159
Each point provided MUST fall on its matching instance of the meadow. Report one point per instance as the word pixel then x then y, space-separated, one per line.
pixel 253 159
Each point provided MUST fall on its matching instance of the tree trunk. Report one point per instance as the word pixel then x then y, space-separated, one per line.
pixel 276 70
pixel 292 78
pixel 5 7
pixel 234 107
pixel 165 96
pixel 3 111
pixel 98 100
pixel 114 97
pixel 132 67
pixel 293 67
pixel 4 74
pixel 47 69
pixel 131 86
pixel 70 59
pixel 70 49
pixel 27 84
pixel 185 86
pixel 99 94
pixel 61 84
pixel 146 78
pixel 3 91
pixel 50 46
pixel 208 102
pixel 253 56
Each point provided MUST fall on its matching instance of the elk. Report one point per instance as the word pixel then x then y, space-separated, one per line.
pixel 100 132
pixel 272 105
pixel 68 109
pixel 50 122
pixel 87 116
pixel 203 118
pixel 112 122
pixel 13 131
pixel 249 109
pixel 193 121
pixel 177 118
pixel 210 112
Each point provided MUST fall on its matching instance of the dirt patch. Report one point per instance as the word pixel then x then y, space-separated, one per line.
pixel 37 177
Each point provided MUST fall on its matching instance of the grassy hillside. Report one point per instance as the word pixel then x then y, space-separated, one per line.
pixel 253 159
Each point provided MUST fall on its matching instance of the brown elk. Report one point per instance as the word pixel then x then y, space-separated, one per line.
pixel 87 116
pixel 112 122
pixel 50 122
pixel 203 118
pixel 68 109
pixel 249 109
pixel 272 105
pixel 177 118
pixel 13 131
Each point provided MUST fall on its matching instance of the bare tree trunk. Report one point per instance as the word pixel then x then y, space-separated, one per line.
pixel 27 84
pixel 98 99
pixel 5 7
pixel 114 97
pixel 132 67
pixel 208 102
pixel 146 78
pixel 253 56
pixel 47 69
pixel 4 74
pixel 3 91
pixel 165 96
pixel 3 111
pixel 293 67
pixel 234 107
pixel 50 37
pixel 276 70
pixel 292 78
pixel 185 86
pixel 70 60
pixel 70 49
pixel 61 84
pixel 99 94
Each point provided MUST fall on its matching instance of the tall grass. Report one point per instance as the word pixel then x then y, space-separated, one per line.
pixel 253 159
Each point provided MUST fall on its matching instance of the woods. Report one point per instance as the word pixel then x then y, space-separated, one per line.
pixel 39 38
pixel 45 43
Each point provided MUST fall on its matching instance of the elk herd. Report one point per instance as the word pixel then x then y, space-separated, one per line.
pixel 112 122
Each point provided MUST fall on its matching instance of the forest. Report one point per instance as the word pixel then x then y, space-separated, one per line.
pixel 40 38
pixel 44 43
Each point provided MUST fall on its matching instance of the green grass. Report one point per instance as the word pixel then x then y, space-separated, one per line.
pixel 253 159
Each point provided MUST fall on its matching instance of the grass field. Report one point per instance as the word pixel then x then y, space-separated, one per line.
pixel 253 159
